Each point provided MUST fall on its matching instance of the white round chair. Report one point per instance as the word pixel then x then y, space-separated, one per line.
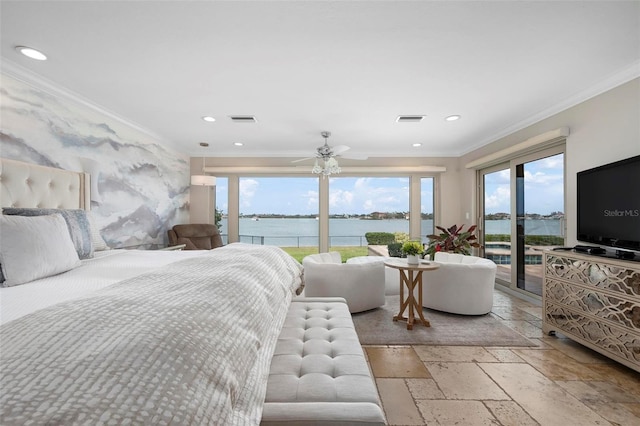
pixel 391 275
pixel 461 285
pixel 361 285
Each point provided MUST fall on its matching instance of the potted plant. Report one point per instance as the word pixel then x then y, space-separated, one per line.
pixel 413 250
pixel 395 248
pixel 453 240
pixel 218 219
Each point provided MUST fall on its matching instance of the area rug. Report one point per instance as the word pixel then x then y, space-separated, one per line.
pixel 376 327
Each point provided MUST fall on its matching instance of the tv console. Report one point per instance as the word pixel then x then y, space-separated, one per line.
pixel 629 256
pixel 595 301
pixel 601 252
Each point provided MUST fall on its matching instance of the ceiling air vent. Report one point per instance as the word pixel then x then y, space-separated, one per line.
pixel 242 118
pixel 410 118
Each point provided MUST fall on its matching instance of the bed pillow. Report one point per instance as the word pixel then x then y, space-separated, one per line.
pixel 97 242
pixel 77 224
pixel 35 247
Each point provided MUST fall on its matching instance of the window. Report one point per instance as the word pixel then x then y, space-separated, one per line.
pixel 280 211
pixel 358 205
pixel 331 213
pixel 426 207
pixel 222 206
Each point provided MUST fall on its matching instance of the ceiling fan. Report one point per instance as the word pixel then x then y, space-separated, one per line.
pixel 327 155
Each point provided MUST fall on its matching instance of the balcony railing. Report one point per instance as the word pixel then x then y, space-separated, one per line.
pixel 302 240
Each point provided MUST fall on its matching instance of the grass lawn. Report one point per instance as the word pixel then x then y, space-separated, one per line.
pixel 346 252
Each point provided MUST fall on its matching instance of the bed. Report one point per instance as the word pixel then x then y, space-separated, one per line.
pixel 128 336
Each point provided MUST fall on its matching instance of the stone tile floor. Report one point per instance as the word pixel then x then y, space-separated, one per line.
pixel 557 382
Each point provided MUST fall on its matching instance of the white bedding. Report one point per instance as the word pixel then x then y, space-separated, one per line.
pixel 187 343
pixel 106 268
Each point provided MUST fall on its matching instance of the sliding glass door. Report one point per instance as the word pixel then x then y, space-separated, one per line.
pixel 539 216
pixel 523 215
pixel 496 220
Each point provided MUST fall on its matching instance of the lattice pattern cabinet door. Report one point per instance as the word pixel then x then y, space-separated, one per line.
pixel 594 301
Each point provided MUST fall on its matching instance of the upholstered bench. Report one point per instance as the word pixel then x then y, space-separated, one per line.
pixel 319 374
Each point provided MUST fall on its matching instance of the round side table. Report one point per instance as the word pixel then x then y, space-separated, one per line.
pixel 411 276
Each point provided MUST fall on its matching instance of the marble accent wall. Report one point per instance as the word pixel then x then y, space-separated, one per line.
pixel 140 187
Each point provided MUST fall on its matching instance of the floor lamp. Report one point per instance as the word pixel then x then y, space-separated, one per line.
pixel 208 181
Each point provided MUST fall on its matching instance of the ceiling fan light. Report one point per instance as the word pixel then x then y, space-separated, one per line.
pixel 331 166
pixel 316 168
pixel 324 153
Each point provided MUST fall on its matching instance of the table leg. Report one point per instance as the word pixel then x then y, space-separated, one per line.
pixel 408 279
pixel 403 303
pixel 411 300
pixel 418 306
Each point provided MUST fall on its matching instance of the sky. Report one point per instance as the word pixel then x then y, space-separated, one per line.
pixel 347 195
pixel 544 192
pixel 543 188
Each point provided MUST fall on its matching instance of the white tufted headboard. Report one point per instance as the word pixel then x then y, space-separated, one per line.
pixel 29 185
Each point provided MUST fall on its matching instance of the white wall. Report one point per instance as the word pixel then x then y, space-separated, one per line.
pixel 604 129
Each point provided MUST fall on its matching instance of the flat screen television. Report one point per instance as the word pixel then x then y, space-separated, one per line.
pixel 609 205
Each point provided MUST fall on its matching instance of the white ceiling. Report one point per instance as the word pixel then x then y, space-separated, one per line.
pixel 344 66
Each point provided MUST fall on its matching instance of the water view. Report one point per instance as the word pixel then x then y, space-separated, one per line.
pixel 301 232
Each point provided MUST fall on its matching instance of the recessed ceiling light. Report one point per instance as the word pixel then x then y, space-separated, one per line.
pixel 31 53
pixel 208 118
pixel 416 145
pixel 238 143
pixel 453 118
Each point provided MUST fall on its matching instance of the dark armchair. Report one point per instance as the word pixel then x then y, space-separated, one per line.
pixel 195 236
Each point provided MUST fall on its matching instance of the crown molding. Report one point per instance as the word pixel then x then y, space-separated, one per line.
pixel 223 170
pixel 230 153
pixel 534 143
pixel 36 81
pixel 612 81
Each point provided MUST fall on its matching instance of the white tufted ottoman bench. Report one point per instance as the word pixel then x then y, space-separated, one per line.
pixel 318 374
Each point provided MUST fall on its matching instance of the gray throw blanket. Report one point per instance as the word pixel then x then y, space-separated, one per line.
pixel 188 344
